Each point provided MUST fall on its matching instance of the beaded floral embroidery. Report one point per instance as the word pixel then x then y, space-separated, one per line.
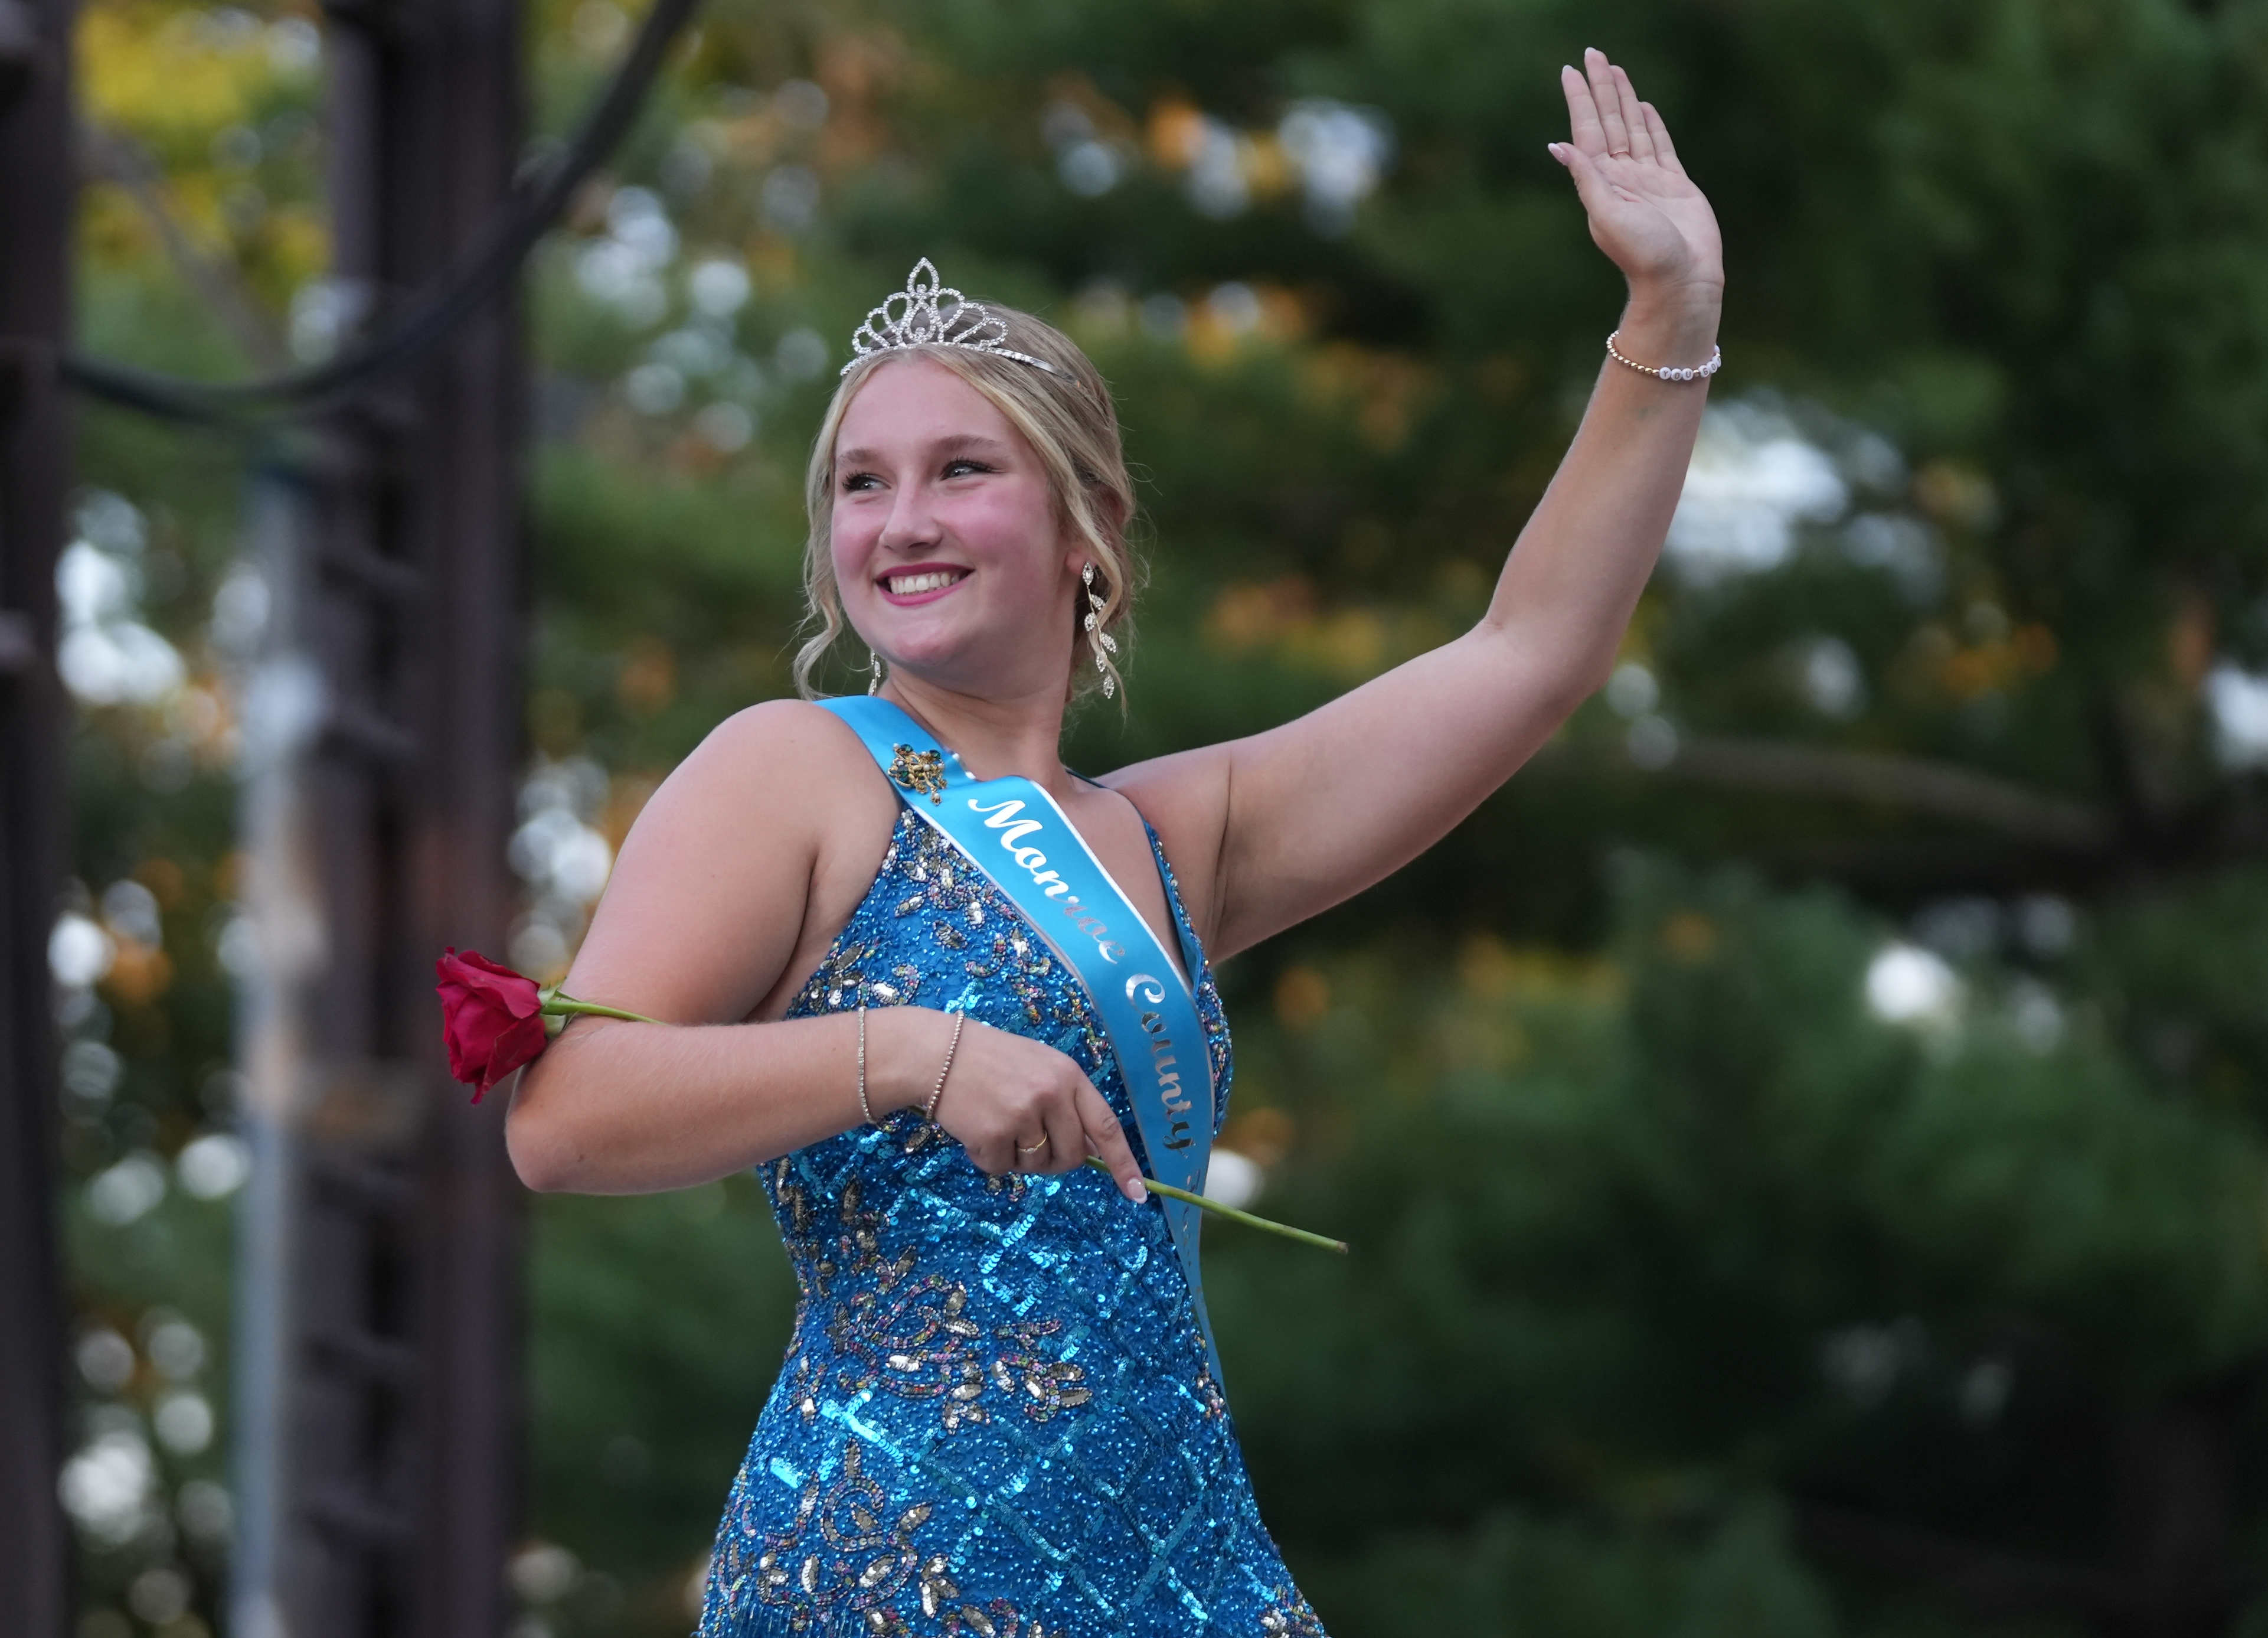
pixel 996 1405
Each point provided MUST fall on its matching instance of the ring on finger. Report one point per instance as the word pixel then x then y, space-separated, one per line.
pixel 1033 1148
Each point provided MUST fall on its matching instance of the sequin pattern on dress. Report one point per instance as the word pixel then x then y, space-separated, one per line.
pixel 996 1417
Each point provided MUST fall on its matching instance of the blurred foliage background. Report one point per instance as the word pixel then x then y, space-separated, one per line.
pixel 1804 1141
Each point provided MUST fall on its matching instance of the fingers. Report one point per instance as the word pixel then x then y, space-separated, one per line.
pixel 1106 1138
pixel 1600 75
pixel 1583 127
pixel 1585 170
pixel 1664 151
pixel 1066 1140
pixel 1641 138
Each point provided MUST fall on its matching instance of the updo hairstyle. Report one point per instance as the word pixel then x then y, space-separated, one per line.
pixel 1069 420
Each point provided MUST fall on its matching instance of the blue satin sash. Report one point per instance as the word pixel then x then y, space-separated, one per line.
pixel 1013 833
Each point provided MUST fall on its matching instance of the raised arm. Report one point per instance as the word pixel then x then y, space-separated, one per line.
pixel 1282 825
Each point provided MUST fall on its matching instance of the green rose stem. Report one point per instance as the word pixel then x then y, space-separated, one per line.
pixel 1231 1213
pixel 564 1007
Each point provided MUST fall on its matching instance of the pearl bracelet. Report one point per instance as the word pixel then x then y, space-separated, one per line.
pixel 1668 373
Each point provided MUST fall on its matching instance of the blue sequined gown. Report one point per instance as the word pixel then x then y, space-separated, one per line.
pixel 996 1417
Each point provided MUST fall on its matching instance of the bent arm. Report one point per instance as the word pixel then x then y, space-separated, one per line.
pixel 704 909
pixel 618 1108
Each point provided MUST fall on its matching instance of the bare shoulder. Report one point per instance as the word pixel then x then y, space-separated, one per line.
pixel 770 765
pixel 746 844
pixel 1185 798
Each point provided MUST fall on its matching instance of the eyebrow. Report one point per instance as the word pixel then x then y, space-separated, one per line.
pixel 952 444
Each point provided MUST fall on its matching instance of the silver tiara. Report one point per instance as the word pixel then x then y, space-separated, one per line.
pixel 927 313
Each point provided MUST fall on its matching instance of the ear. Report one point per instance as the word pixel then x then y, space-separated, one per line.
pixel 1114 510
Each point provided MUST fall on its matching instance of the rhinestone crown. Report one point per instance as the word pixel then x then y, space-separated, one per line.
pixel 928 313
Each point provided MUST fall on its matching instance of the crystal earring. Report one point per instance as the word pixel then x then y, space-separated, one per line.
pixel 874 671
pixel 1104 642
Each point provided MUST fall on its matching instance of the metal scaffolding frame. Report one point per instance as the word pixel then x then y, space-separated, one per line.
pixel 35 203
pixel 378 1351
pixel 378 1346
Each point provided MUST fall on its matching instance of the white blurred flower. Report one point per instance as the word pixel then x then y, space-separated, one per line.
pixel 1908 984
pixel 2036 1014
pixel 718 288
pixel 177 1349
pixel 637 218
pixel 108 1484
pixel 111 521
pixel 158 1595
pixel 557 851
pixel 104 1359
pixel 107 656
pixel 1631 691
pixel 131 910
pixel 92 585
pixel 695 350
pixel 1232 1178
pixel 1652 742
pixel 543 1572
pixel 206 1510
pixel 1216 184
pixel 653 388
pixel 127 1191
pixel 790 197
pixel 79 951
pixel 1089 169
pixel 183 1422
pixel 724 426
pixel 91 1071
pixel 1753 478
pixel 1341 152
pixel 1831 678
pixel 213 1166
pixel 801 104
pixel 1235 307
pixel 240 607
pixel 2237 700
pixel 295 45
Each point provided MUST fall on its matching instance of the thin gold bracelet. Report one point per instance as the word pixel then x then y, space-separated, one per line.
pixel 1697 372
pixel 928 1109
pixel 864 1107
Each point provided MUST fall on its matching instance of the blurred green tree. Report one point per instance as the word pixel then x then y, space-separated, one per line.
pixel 1803 1141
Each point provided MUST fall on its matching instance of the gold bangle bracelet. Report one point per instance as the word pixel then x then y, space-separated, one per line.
pixel 865 1108
pixel 928 1109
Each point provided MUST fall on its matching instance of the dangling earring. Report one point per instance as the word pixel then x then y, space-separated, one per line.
pixel 1104 642
pixel 874 671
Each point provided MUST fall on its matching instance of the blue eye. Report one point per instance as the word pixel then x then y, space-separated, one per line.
pixel 952 469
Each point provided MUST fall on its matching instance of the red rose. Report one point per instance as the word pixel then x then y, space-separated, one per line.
pixel 491 1016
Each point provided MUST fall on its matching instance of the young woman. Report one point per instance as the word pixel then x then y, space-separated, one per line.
pixel 999 1413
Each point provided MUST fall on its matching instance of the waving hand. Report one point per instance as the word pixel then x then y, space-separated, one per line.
pixel 1266 831
pixel 1645 213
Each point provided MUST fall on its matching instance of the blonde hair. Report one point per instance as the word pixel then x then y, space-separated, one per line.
pixel 1068 419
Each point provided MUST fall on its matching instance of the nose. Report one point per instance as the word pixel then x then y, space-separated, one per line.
pixel 911 529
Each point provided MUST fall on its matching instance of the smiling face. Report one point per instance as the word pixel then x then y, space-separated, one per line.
pixel 949 551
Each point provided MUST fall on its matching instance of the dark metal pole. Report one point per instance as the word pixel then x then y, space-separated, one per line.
pixel 379 1270
pixel 35 200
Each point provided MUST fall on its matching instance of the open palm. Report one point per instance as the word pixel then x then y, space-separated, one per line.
pixel 1645 213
